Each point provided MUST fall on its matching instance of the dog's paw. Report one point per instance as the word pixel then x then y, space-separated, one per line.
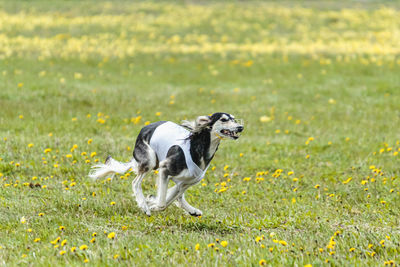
pixel 156 207
pixel 195 212
pixel 144 207
pixel 150 200
pixel 147 212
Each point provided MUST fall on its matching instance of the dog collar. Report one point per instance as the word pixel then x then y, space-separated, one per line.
pixel 220 137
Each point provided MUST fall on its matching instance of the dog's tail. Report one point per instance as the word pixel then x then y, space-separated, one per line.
pixel 112 166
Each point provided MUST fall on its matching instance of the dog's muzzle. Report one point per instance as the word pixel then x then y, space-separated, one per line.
pixel 233 134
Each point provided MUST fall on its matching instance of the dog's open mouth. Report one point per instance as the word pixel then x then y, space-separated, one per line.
pixel 231 134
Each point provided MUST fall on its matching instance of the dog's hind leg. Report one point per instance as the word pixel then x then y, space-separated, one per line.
pixel 137 192
pixel 182 203
pixel 146 160
pixel 160 203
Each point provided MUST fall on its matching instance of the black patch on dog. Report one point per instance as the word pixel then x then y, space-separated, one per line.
pixel 140 153
pixel 199 146
pixel 176 162
pixel 200 142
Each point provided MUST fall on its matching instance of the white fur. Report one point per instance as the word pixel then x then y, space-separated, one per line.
pixel 111 167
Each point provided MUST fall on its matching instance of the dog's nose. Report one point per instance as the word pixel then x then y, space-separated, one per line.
pixel 240 129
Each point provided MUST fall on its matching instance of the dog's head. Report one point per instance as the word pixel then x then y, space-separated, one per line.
pixel 222 124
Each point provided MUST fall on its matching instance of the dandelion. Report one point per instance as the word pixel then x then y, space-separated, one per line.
pixel 197 246
pixel 283 243
pixel 224 243
pixel 111 235
pixel 30 145
pixel 36 240
pixel 347 181
pixel 55 241
pixel 86 260
pixel 90 141
pixel 116 256
pixel 47 150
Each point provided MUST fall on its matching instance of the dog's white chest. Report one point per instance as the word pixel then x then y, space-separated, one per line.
pixel 170 134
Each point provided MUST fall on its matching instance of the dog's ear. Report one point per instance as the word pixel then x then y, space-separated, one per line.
pixel 202 121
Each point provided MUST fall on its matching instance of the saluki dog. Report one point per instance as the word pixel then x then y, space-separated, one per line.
pixel 181 153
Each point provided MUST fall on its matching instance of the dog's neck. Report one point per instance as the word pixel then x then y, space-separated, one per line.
pixel 203 146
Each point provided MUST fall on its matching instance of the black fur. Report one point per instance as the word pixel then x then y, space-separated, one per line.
pixel 177 161
pixel 199 146
pixel 140 152
pixel 200 142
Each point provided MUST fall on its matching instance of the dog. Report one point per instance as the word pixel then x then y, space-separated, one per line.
pixel 181 153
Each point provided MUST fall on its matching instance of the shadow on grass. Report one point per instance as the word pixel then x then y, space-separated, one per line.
pixel 216 228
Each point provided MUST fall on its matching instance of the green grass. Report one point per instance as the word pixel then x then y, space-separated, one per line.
pixel 348 106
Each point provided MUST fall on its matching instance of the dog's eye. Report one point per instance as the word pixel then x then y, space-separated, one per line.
pixel 224 120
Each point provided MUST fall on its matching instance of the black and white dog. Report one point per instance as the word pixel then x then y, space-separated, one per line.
pixel 179 152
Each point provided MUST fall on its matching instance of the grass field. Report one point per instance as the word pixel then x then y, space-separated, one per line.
pixel 313 179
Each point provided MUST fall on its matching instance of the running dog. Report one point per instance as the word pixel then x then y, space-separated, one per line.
pixel 181 153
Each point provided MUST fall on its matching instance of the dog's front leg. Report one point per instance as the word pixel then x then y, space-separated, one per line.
pixel 161 202
pixel 137 192
pixel 182 203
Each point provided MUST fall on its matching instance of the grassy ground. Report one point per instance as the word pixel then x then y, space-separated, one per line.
pixel 313 180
